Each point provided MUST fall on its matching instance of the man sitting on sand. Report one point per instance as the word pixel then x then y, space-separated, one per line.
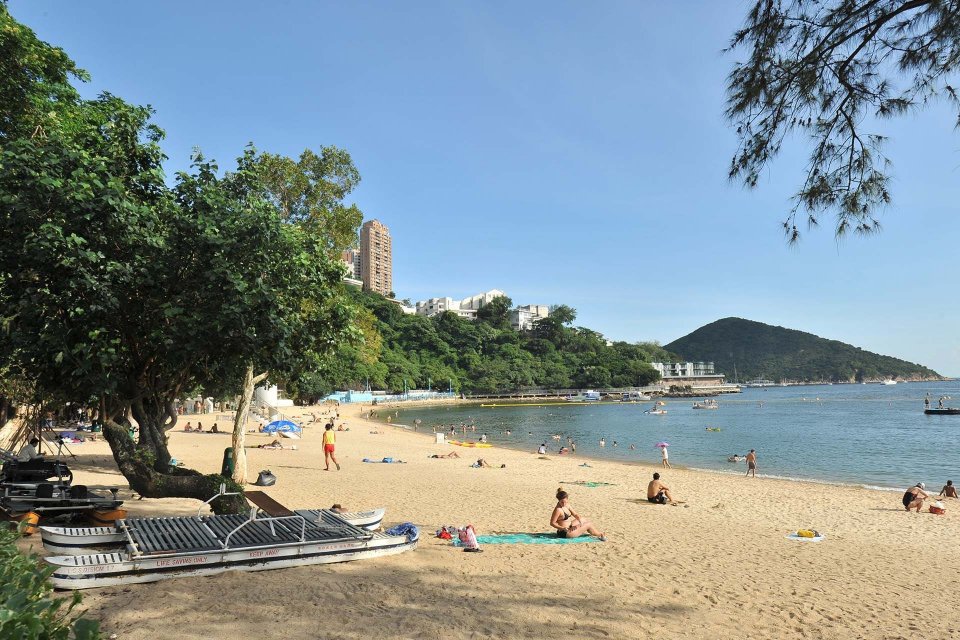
pixel 188 427
pixel 949 491
pixel 657 492
pixel 914 496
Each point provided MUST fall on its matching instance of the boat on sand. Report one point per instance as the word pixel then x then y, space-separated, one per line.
pixel 271 537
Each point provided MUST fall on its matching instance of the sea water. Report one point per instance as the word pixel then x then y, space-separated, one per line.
pixel 871 435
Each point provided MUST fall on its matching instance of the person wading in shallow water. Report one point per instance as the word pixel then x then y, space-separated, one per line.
pixel 752 463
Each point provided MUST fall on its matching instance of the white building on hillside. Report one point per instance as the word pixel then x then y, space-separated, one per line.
pixel 466 308
pixel 480 300
pixel 523 317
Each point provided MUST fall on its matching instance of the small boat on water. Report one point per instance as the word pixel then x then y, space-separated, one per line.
pixel 634 396
pixel 888 382
pixel 709 403
pixel 945 411
pixel 655 410
pixel 759 382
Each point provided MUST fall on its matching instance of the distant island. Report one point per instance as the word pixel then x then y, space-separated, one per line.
pixel 750 350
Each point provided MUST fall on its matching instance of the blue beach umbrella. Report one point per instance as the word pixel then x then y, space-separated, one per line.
pixel 281 425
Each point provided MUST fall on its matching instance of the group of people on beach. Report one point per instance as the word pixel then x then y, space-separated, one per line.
pixel 914 497
pixel 199 428
pixel 569 524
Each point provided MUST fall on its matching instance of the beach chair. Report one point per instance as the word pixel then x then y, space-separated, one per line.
pixel 267 504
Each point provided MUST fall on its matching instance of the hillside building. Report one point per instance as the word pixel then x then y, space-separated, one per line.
pixel 523 317
pixel 351 260
pixel 376 257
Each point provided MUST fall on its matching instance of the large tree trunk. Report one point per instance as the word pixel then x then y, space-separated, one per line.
pixel 146 464
pixel 250 382
pixel 135 464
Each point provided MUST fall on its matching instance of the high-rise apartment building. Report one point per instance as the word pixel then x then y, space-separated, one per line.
pixel 376 257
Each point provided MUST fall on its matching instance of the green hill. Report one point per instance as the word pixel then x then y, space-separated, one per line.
pixel 761 350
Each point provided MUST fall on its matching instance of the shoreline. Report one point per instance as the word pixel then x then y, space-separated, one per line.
pixel 690 571
pixel 626 463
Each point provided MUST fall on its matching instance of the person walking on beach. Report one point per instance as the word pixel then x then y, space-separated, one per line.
pixel 752 463
pixel 914 496
pixel 329 442
pixel 657 492
pixel 664 458
pixel 949 491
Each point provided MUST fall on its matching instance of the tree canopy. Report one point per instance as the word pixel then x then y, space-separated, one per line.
pixel 829 69
pixel 122 289
pixel 481 356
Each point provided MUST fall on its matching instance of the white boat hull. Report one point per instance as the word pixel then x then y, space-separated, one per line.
pixel 87 540
pixel 110 569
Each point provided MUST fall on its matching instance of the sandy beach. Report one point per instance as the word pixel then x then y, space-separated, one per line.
pixel 718 566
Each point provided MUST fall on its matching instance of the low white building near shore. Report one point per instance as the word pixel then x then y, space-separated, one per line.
pixel 688 374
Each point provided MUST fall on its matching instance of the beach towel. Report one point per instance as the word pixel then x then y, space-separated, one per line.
pixel 794 536
pixel 405 529
pixel 528 538
pixel 588 483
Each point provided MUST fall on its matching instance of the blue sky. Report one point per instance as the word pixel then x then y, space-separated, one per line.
pixel 564 152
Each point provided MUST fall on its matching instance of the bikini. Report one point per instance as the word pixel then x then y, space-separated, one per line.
pixel 562 533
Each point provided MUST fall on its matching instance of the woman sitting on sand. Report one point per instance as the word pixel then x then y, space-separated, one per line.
pixel 568 523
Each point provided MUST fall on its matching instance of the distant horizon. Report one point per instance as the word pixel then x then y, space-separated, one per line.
pixel 575 155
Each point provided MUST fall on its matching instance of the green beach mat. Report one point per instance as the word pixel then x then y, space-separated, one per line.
pixel 528 538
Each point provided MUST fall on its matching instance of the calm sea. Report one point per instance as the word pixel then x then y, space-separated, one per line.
pixel 871 435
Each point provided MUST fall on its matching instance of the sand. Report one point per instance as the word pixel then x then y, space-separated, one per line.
pixel 717 567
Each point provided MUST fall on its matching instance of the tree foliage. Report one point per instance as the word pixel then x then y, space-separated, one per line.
pixel 482 356
pixel 311 191
pixel 122 289
pixel 34 80
pixel 28 610
pixel 760 350
pixel 827 69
